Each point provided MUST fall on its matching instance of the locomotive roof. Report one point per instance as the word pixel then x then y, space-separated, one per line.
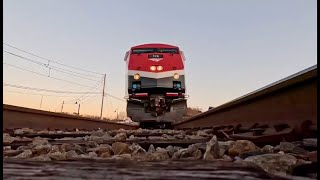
pixel 154 45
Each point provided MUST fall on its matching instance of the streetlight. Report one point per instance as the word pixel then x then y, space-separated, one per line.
pixel 117 113
pixel 41 101
pixel 62 106
pixel 78 106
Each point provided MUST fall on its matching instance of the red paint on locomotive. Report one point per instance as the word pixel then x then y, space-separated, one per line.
pixel 155 83
pixel 169 62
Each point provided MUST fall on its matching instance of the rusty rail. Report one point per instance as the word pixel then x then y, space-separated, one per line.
pixel 20 117
pixel 24 169
pixel 288 103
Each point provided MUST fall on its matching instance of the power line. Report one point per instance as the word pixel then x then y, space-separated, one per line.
pixel 24 69
pixel 91 90
pixel 107 94
pixel 73 74
pixel 37 94
pixel 53 67
pixel 34 61
pixel 115 97
pixel 90 99
pixel 86 94
pixel 110 100
pixel 50 60
pixel 45 90
pixel 45 75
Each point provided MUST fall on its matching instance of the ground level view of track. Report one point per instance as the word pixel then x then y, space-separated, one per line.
pixel 20 117
pixel 161 153
pixel 131 170
pixel 284 110
pixel 267 134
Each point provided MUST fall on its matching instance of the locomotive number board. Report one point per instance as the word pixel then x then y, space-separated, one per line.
pixel 155 56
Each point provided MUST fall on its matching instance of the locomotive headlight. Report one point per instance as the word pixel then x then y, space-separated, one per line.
pixel 136 76
pixel 153 68
pixel 134 86
pixel 159 68
pixel 176 76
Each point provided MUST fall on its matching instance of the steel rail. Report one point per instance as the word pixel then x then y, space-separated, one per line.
pixel 291 101
pixel 20 117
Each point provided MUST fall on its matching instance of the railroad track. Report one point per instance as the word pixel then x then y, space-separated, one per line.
pixel 55 143
pixel 284 110
pixel 16 169
pixel 15 117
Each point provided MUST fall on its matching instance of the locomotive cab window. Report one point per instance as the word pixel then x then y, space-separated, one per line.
pixel 184 58
pixel 155 50
pixel 126 55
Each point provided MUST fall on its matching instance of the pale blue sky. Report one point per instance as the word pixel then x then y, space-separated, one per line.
pixel 232 47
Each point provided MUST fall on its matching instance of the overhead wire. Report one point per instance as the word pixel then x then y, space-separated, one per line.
pixel 37 94
pixel 114 97
pixel 57 69
pixel 93 89
pixel 33 61
pixel 90 91
pixel 90 99
pixel 73 74
pixel 50 59
pixel 46 75
pixel 39 89
pixel 53 67
pixel 84 94
pixel 87 96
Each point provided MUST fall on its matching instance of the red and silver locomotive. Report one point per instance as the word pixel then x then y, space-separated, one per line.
pixel 155 84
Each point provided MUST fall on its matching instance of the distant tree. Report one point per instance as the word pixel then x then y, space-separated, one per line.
pixel 210 107
pixel 106 119
pixel 122 115
pixel 191 111
pixel 91 116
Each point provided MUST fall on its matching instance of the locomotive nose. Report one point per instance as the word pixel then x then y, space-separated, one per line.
pixel 156 83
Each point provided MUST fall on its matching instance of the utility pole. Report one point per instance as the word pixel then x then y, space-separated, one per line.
pixel 104 84
pixel 41 101
pixel 62 106
pixel 117 113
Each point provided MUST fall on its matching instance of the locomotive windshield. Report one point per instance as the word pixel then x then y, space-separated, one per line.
pixel 155 50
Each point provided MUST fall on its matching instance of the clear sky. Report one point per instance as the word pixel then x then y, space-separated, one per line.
pixel 232 47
